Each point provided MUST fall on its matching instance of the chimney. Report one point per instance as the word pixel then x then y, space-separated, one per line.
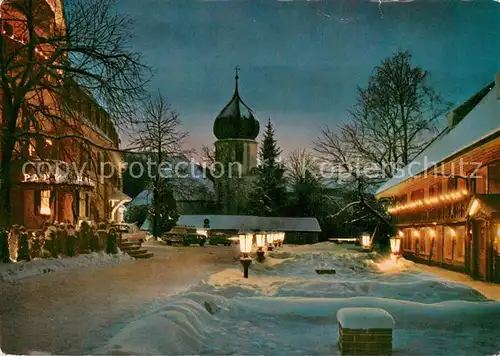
pixel 452 119
pixel 497 84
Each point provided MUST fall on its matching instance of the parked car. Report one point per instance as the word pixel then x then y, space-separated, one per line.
pixel 131 232
pixel 220 239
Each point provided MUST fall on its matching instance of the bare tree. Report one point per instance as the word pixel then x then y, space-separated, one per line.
pixel 209 161
pixel 300 164
pixel 57 65
pixel 393 120
pixel 158 132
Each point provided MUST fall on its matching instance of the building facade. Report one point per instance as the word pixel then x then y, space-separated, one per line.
pixel 236 129
pixel 56 175
pixel 446 203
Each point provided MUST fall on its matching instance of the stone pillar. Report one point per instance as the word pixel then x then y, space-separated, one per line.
pixel 365 331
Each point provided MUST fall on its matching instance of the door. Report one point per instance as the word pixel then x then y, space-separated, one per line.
pixel 480 249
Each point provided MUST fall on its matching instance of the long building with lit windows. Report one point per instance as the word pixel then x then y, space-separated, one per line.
pixel 446 204
pixel 60 179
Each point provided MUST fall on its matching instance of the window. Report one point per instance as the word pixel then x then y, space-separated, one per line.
pixel 452 184
pixel 435 189
pixel 460 243
pixel 7 28
pixel 448 243
pixel 454 243
pixel 402 199
pixel 42 202
pixel 77 203
pixel 424 246
pixel 46 148
pixel 497 238
pixel 481 180
pixel 417 194
pixel 82 204
pixel 494 178
pixel 32 147
pixel 407 240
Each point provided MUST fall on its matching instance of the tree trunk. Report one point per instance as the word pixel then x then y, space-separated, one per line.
pixel 9 118
pixel 156 206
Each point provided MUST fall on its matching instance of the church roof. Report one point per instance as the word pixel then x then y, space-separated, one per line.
pixel 236 120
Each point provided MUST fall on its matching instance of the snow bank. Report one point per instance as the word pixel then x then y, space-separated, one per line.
pixel 20 270
pixel 285 308
pixel 176 328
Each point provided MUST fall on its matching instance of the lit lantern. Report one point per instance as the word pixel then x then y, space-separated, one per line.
pixel 474 207
pixel 261 239
pixel 366 241
pixel 270 240
pixel 395 247
pixel 282 238
pixel 246 240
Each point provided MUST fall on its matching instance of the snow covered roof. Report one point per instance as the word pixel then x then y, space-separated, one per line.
pixel 220 222
pixel 289 224
pixel 248 222
pixel 481 121
pixel 188 180
pixel 184 190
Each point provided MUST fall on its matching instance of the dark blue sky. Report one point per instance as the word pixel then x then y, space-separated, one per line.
pixel 302 60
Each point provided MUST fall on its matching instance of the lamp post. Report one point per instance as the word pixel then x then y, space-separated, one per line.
pixel 261 239
pixel 366 242
pixel 246 239
pixel 281 238
pixel 276 237
pixel 270 240
pixel 395 248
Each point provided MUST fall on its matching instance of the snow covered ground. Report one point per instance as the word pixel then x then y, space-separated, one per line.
pixel 285 308
pixel 16 271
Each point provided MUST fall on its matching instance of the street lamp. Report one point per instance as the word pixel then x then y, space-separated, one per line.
pixel 246 239
pixel 395 248
pixel 366 242
pixel 281 238
pixel 261 239
pixel 276 238
pixel 270 240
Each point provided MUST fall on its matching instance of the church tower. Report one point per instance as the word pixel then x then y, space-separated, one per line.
pixel 235 149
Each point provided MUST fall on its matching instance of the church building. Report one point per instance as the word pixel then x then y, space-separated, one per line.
pixel 236 129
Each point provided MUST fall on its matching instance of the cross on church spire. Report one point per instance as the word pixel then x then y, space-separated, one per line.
pixel 237 70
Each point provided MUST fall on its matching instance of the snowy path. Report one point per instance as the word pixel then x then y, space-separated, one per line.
pixel 284 308
pixel 489 290
pixel 72 312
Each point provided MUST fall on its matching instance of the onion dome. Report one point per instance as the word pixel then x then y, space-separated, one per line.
pixel 236 120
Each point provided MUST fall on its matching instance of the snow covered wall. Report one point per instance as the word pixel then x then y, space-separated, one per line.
pixel 285 308
pixel 20 270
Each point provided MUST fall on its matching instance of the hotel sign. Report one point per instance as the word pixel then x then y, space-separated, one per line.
pixel 46 178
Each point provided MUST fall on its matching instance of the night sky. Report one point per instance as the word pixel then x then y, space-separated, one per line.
pixel 301 61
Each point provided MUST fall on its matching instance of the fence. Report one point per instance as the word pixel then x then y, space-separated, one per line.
pixel 55 240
